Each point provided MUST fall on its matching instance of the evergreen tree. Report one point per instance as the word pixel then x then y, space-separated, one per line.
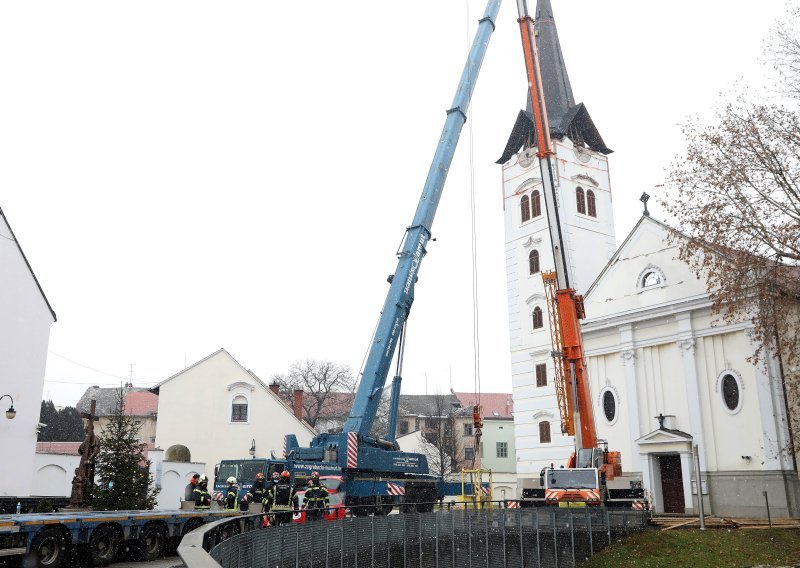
pixel 48 415
pixel 122 472
pixel 70 425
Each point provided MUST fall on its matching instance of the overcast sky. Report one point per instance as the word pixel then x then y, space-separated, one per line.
pixel 185 176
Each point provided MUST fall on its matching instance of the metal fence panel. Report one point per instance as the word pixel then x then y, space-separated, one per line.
pixel 458 538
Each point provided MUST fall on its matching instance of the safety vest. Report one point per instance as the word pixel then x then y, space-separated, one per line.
pixel 230 498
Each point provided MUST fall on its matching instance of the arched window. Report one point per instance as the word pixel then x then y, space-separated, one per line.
pixel 239 409
pixel 533 261
pixel 525 207
pixel 537 318
pixel 544 432
pixel 651 278
pixel 591 206
pixel 580 200
pixel 536 204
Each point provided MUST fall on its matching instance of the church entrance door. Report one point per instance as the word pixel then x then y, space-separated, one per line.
pixel 672 483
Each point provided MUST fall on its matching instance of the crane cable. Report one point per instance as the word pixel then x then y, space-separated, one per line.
pixel 476 345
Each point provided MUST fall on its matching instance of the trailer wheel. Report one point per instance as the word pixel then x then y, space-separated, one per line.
pixel 151 542
pixel 103 545
pixel 49 548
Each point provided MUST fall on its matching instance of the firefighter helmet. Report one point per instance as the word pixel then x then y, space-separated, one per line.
pixel 259 476
pixel 285 474
pixel 231 480
pixel 276 475
pixel 203 479
pixel 314 475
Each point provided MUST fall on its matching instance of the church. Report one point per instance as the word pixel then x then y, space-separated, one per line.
pixel 672 386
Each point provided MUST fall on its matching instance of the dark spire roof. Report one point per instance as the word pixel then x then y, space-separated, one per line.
pixel 565 117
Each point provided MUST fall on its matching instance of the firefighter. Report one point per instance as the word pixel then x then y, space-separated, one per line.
pixel 257 493
pixel 202 498
pixel 232 494
pixel 281 499
pixel 316 498
pixel 188 493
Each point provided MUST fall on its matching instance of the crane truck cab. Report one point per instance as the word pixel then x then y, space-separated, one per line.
pixel 573 487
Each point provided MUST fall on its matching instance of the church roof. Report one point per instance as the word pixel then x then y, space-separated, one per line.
pixel 28 264
pixel 564 116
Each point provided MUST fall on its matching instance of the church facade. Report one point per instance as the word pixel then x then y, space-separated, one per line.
pixel 671 385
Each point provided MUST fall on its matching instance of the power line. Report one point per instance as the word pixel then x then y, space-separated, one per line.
pixel 87 366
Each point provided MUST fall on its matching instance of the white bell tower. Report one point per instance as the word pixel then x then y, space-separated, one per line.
pixel 584 194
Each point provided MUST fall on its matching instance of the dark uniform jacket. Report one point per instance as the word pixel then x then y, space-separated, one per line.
pixel 230 496
pixel 257 493
pixel 202 498
pixel 282 497
pixel 316 497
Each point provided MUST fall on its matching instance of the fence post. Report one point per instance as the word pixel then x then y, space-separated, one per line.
pixel 372 543
pixel 572 534
pixel 452 539
pixel 486 530
pixel 297 547
pixel 555 538
pixel 521 550
pixel 469 537
pixel 504 517
pixel 589 522
pixel 341 546
pixel 419 534
pixel 404 541
pixel 608 526
pixel 327 545
pixel 538 542
pixel 769 516
pixel 436 521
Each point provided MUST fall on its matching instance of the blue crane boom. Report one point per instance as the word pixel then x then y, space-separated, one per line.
pixel 401 292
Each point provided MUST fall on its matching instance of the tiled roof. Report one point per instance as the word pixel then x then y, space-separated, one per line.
pixel 138 401
pixel 60 448
pixel 495 404
pixel 426 404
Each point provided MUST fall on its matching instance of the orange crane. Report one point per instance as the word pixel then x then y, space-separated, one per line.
pixel 583 481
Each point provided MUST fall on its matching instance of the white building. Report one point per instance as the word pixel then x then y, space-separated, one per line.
pixel 584 204
pixel 25 320
pixel 655 350
pixel 216 409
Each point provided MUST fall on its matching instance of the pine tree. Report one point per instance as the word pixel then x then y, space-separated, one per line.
pixel 48 415
pixel 122 472
pixel 70 425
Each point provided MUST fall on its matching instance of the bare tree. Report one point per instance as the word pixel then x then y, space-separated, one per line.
pixel 441 443
pixel 736 197
pixel 321 382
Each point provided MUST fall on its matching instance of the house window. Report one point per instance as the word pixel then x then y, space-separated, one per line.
pixel 533 261
pixel 239 409
pixel 402 427
pixel 609 406
pixel 651 278
pixel 525 207
pixel 730 392
pixel 591 205
pixel 541 375
pixel 469 454
pixel 537 318
pixel 468 429
pixel 580 200
pixel 536 204
pixel 502 449
pixel 544 432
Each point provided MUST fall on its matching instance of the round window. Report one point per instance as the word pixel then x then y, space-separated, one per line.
pixel 730 392
pixel 609 405
pixel 651 279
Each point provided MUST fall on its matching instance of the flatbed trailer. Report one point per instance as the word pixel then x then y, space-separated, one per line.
pixel 49 539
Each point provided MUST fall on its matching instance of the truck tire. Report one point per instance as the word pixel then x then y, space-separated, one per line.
pixel 48 549
pixel 103 545
pixel 151 542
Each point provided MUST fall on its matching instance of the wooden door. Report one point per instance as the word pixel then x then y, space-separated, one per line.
pixel 672 484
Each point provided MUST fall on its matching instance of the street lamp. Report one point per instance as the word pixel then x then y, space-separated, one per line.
pixel 253 449
pixel 10 413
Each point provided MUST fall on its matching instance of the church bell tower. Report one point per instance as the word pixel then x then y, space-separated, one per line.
pixel 583 192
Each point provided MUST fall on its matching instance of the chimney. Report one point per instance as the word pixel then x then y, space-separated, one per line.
pixel 298 403
pixel 275 387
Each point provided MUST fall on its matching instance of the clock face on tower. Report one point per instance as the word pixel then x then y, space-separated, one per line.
pixel 526 158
